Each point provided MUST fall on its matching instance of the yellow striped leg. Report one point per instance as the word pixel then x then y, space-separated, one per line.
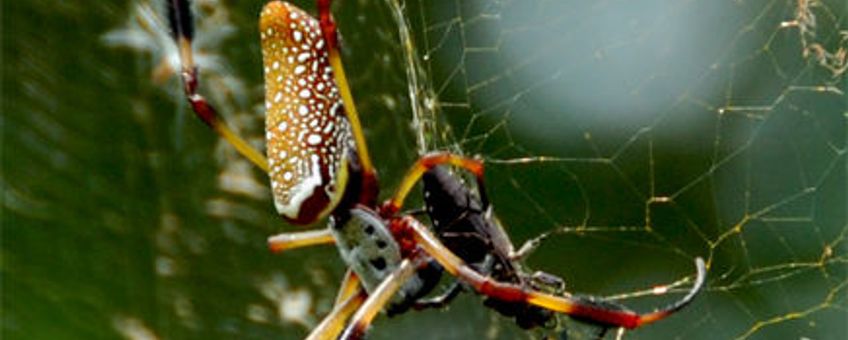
pixel 378 299
pixel 288 241
pixel 333 323
pixel 349 299
pixel 583 308
pixel 428 162
pixel 182 27
pixel 328 28
pixel 350 285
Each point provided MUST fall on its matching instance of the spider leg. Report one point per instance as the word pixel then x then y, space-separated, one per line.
pixel 328 29
pixel 350 297
pixel 350 286
pixel 428 162
pixel 182 28
pixel 379 298
pixel 287 241
pixel 333 323
pixel 584 308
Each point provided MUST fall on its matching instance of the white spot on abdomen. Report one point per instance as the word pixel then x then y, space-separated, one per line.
pixel 313 139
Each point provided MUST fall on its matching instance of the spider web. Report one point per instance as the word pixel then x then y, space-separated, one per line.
pixel 634 138
pixel 641 136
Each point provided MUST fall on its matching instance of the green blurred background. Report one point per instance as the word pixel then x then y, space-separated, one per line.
pixel 640 136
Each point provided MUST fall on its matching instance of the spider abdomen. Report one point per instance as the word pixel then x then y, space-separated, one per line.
pixel 307 133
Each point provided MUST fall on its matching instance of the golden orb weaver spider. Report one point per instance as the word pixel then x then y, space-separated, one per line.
pixel 319 167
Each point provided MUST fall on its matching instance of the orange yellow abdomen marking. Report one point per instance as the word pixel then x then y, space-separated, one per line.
pixel 307 133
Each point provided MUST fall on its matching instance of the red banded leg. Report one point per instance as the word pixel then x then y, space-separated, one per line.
pixel 428 162
pixel 416 234
pixel 300 239
pixel 182 28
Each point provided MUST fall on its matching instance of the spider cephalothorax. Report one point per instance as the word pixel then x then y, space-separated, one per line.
pixel 319 167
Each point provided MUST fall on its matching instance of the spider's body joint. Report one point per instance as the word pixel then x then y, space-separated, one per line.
pixel 370 249
pixel 366 245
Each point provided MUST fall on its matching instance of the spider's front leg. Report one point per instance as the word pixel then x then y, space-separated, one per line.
pixel 585 308
pixel 182 30
pixel 330 35
pixel 428 162
pixel 300 239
